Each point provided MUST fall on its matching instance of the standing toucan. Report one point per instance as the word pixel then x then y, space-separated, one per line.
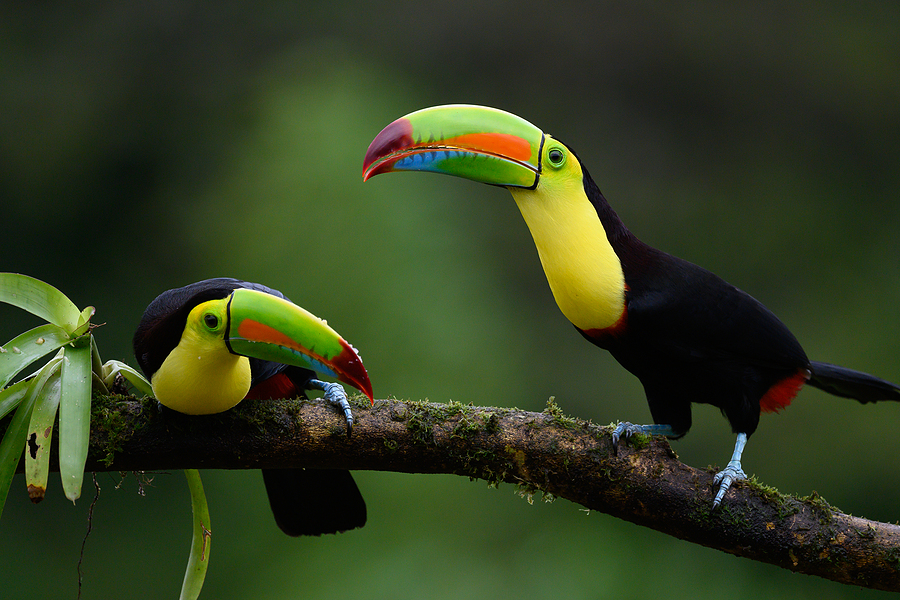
pixel 208 345
pixel 685 333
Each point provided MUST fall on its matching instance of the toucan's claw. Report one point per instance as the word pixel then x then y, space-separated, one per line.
pixel 334 394
pixel 725 478
pixel 626 428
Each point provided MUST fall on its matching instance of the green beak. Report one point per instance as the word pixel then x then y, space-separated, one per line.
pixel 474 142
pixel 267 327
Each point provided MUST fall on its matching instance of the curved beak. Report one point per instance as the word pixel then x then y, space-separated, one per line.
pixel 474 142
pixel 267 327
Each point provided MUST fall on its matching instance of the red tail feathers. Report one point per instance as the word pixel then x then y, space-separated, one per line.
pixel 781 394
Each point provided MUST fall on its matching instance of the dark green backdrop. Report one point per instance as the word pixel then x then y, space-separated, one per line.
pixel 147 145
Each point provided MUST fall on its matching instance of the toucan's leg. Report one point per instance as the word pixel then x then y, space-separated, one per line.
pixel 334 393
pixel 629 429
pixel 733 471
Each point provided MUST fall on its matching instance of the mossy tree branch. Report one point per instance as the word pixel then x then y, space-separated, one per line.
pixel 542 452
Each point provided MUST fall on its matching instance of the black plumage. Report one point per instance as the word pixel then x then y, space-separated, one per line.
pixel 691 337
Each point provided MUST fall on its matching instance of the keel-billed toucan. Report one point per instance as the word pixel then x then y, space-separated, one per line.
pixel 685 333
pixel 208 345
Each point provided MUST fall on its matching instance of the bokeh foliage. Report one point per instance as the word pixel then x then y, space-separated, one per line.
pixel 188 141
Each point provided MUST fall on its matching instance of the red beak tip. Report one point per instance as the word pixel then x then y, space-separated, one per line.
pixel 393 137
pixel 367 390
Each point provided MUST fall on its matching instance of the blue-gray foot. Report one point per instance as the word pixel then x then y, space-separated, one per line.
pixel 731 473
pixel 334 394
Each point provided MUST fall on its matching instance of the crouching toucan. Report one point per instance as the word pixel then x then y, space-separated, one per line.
pixel 685 333
pixel 208 345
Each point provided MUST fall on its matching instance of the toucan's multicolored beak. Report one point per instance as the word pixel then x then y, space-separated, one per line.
pixel 474 142
pixel 267 327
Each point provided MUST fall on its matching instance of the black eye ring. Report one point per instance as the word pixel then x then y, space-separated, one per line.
pixel 556 157
pixel 211 320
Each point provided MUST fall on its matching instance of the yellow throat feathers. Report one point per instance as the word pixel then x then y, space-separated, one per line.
pixel 200 376
pixel 583 270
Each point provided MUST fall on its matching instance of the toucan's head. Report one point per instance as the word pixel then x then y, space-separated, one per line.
pixel 474 142
pixel 560 203
pixel 194 343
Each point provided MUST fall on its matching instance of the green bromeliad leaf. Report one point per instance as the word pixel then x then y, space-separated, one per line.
pixel 14 439
pixel 11 396
pixel 40 433
pixel 24 349
pixel 74 417
pixel 113 368
pixel 83 324
pixel 39 298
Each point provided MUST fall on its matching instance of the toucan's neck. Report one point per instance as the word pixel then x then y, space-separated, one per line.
pixel 615 229
pixel 201 378
pixel 574 235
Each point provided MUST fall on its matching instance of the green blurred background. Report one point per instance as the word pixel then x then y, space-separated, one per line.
pixel 147 145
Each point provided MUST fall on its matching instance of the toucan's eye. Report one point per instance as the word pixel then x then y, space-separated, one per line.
pixel 211 320
pixel 556 157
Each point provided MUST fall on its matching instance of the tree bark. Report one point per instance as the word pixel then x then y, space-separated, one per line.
pixel 545 452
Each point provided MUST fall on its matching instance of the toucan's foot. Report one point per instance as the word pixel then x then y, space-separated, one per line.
pixel 733 472
pixel 627 430
pixel 334 393
pixel 725 478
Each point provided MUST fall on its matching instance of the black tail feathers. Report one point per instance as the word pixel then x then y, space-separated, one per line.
pixel 314 501
pixel 848 383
